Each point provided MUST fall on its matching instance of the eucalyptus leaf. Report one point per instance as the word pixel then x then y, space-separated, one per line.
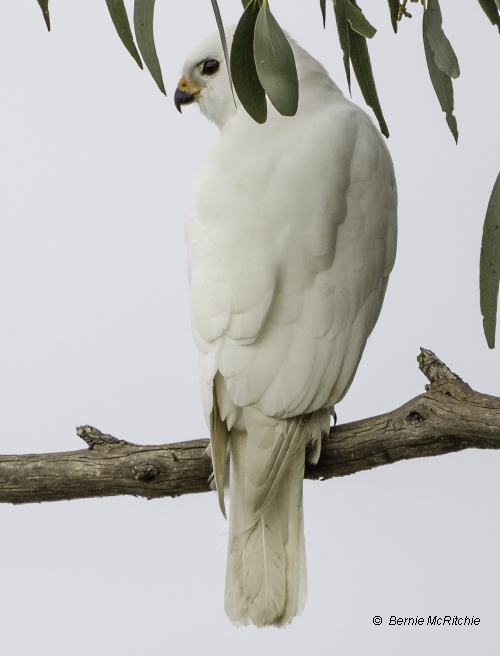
pixel 222 34
pixel 243 69
pixel 362 67
pixel 143 25
pixel 489 265
pixel 394 11
pixel 444 55
pixel 492 9
pixel 322 4
pixel 358 21
pixel 441 82
pixel 275 63
pixel 120 20
pixel 340 10
pixel 44 6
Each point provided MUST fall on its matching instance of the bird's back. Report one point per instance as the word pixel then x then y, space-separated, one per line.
pixel 291 235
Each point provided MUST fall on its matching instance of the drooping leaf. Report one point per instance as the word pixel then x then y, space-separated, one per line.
pixel 44 6
pixel 243 69
pixel 275 63
pixel 222 34
pixel 394 11
pixel 143 25
pixel 441 81
pixel 492 9
pixel 119 17
pixel 444 55
pixel 355 50
pixel 489 265
pixel 362 67
pixel 322 5
pixel 358 21
pixel 340 10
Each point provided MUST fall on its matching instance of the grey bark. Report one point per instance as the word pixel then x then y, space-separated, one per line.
pixel 449 417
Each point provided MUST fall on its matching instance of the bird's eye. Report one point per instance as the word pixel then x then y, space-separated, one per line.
pixel 210 67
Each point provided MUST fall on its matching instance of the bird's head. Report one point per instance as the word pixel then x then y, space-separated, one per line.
pixel 205 80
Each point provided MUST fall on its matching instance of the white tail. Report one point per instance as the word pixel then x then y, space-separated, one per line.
pixel 266 567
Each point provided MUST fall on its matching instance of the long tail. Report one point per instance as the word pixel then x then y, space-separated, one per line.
pixel 266 568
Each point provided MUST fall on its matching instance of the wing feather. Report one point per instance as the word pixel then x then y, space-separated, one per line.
pixel 282 313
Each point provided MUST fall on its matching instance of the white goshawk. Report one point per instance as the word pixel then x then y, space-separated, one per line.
pixel 291 234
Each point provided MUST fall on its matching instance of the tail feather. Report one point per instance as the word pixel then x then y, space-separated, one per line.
pixel 266 570
pixel 219 439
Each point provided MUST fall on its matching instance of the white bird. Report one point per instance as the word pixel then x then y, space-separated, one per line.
pixel 291 235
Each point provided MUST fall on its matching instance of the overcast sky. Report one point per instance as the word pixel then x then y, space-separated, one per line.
pixel 95 170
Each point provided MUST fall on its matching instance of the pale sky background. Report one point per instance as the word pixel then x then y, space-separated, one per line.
pixel 95 169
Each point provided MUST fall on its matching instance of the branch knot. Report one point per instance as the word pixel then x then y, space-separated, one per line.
pixel 145 472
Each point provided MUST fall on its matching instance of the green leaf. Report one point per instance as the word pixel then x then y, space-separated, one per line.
pixel 275 63
pixel 243 69
pixel 322 5
pixel 394 11
pixel 362 67
pixel 340 10
pixel 44 6
pixel 119 17
pixel 143 25
pixel 489 265
pixel 354 49
pixel 441 81
pixel 358 21
pixel 492 9
pixel 444 55
pixel 222 34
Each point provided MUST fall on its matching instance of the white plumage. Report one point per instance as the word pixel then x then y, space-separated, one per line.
pixel 291 233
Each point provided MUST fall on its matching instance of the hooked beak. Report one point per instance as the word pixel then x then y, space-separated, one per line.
pixel 185 94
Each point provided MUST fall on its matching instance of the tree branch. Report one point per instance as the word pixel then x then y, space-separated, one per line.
pixel 449 417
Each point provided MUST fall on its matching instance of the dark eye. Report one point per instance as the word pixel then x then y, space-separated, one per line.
pixel 210 67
